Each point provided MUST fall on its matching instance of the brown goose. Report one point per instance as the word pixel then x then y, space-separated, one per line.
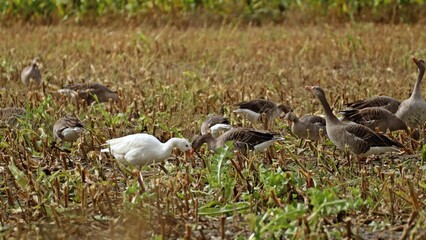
pixel 388 103
pixel 413 110
pixel 68 129
pixel 88 91
pixel 244 139
pixel 375 117
pixel 308 126
pixel 216 125
pixel 10 115
pixel 359 139
pixel 254 110
pixel 32 73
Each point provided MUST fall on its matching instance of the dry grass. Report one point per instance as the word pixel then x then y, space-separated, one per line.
pixel 169 79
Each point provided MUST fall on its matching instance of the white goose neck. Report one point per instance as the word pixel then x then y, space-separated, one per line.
pixel 170 144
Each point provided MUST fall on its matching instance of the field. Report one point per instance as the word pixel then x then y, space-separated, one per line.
pixel 169 78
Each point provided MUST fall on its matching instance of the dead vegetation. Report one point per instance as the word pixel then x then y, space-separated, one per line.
pixel 168 80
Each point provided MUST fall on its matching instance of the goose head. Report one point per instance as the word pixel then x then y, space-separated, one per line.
pixel 283 108
pixel 291 117
pixel 420 64
pixel 199 140
pixel 315 90
pixel 36 63
pixel 184 146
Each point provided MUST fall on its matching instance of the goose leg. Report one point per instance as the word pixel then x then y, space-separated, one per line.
pixel 300 143
pixel 163 168
pixel 202 159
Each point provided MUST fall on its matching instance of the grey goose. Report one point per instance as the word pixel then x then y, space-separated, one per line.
pixel 388 103
pixel 375 118
pixel 308 127
pixel 89 92
pixel 216 125
pixel 68 129
pixel 255 109
pixel 413 110
pixel 32 74
pixel 244 139
pixel 359 139
pixel 10 115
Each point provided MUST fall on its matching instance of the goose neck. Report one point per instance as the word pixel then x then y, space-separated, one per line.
pixel 329 115
pixel 417 91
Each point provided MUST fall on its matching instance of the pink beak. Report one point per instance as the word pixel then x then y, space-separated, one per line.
pixel 416 60
pixel 309 88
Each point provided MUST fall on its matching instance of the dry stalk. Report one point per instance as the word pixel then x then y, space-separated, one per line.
pixel 410 224
pixel 275 199
pixel 222 227
pixel 55 216
pixel 392 196
pixel 188 231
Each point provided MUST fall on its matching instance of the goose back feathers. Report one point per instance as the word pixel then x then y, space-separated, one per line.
pixel 308 127
pixel 244 139
pixel 68 129
pixel 89 92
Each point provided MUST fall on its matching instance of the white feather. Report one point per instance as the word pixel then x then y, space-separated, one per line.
pixel 217 129
pixel 68 92
pixel 262 146
pixel 253 117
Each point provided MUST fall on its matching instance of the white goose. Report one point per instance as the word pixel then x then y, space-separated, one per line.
pixel 143 149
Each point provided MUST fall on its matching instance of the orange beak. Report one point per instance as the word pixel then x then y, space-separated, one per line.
pixel 308 88
pixel 189 153
pixel 416 60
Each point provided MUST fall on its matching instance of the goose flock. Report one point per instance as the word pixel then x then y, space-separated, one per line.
pixel 362 129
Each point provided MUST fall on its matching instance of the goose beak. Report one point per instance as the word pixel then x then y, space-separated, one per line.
pixel 189 153
pixel 415 60
pixel 308 88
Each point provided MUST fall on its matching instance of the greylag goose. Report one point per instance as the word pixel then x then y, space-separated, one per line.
pixel 68 129
pixel 375 117
pixel 413 110
pixel 244 139
pixel 308 126
pixel 388 103
pixel 216 125
pixel 88 91
pixel 143 149
pixel 32 73
pixel 9 116
pixel 359 139
pixel 254 110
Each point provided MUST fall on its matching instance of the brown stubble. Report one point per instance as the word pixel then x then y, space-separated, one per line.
pixel 168 79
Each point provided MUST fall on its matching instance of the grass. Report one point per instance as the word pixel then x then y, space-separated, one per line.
pixel 201 12
pixel 169 79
